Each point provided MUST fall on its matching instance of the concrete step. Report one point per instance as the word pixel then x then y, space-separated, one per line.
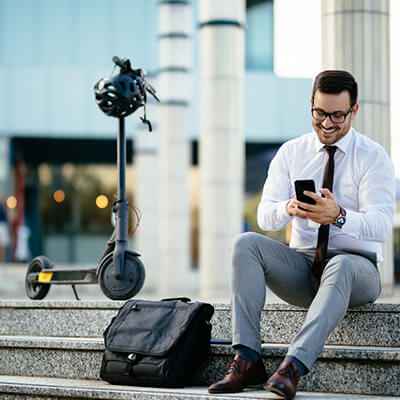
pixel 65 318
pixel 370 325
pixel 344 369
pixel 32 388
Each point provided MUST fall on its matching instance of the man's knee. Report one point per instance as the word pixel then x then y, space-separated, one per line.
pixel 246 239
pixel 245 246
pixel 339 270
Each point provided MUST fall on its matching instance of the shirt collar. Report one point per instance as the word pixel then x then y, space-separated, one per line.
pixel 343 144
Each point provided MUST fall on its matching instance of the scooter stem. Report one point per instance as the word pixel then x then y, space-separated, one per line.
pixel 121 228
pixel 121 159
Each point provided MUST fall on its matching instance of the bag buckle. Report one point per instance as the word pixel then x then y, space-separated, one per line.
pixel 132 357
pixel 129 365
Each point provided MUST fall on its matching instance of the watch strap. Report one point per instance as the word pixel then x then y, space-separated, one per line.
pixel 341 218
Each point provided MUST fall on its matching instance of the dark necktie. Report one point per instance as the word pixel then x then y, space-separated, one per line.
pixel 323 231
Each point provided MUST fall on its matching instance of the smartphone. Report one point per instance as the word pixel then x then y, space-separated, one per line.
pixel 300 186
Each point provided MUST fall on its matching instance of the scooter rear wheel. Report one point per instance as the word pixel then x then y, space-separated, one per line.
pixel 129 285
pixel 35 290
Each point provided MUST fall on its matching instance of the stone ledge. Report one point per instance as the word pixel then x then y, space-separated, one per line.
pixel 338 369
pixel 37 388
pixel 51 342
pixel 109 304
pixel 370 325
pixel 268 350
pixel 63 304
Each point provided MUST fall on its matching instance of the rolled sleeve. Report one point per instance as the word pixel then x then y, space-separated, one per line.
pixel 272 216
pixel 271 212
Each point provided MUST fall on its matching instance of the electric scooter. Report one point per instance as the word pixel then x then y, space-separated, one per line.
pixel 119 272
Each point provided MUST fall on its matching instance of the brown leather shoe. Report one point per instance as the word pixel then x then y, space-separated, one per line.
pixel 284 381
pixel 241 373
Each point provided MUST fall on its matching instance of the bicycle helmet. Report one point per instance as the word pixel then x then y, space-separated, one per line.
pixel 119 95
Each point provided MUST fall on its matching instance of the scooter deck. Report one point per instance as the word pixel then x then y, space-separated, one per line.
pixel 64 276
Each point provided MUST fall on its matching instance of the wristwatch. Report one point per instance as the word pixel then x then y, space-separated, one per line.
pixel 341 218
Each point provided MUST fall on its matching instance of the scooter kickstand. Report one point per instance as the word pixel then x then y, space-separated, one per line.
pixel 75 292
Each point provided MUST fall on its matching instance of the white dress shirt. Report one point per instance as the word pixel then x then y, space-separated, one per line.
pixel 363 184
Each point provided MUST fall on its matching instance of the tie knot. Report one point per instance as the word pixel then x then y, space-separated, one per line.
pixel 330 149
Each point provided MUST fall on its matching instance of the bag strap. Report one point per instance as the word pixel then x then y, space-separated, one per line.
pixel 184 299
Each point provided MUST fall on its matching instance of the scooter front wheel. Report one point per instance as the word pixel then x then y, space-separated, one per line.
pixel 131 282
pixel 36 290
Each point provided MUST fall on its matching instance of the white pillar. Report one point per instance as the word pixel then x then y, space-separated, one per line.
pixel 355 37
pixel 221 64
pixel 146 189
pixel 175 28
pixel 5 180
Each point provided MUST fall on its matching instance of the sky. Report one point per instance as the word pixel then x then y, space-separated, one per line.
pixel 303 18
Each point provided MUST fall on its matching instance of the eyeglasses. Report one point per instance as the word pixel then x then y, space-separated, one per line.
pixel 335 117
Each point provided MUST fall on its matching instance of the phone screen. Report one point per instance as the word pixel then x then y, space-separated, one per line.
pixel 301 186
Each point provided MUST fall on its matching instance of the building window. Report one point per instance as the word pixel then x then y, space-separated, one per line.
pixel 260 35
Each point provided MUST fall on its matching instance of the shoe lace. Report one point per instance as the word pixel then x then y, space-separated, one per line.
pixel 288 371
pixel 233 365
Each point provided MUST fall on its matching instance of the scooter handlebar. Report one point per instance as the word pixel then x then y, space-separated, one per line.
pixel 125 65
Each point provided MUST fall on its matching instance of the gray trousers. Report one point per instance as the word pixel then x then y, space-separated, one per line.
pixel 258 261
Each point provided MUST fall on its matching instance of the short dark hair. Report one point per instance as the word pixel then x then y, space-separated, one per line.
pixel 335 82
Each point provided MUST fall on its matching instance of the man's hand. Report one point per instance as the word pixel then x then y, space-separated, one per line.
pixel 324 212
pixel 291 207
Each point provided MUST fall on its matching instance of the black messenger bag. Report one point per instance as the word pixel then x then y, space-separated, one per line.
pixel 156 343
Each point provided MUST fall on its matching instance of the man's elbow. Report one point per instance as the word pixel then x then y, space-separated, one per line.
pixel 387 230
pixel 261 223
pixel 261 219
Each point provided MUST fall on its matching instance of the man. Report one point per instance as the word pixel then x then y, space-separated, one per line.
pixel 331 262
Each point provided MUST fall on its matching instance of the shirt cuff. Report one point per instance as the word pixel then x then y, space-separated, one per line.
pixel 282 211
pixel 353 223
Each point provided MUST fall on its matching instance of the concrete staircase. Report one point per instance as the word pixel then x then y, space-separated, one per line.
pixel 53 350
